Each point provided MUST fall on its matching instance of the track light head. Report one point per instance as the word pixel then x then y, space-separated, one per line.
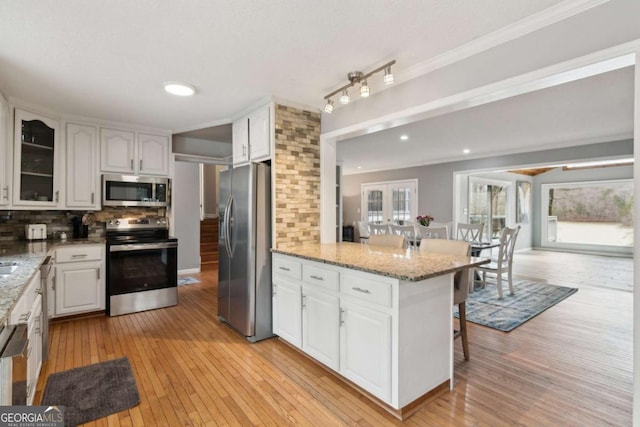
pixel 328 107
pixel 388 76
pixel 344 98
pixel 364 89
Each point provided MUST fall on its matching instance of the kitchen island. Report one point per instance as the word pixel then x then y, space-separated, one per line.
pixel 381 318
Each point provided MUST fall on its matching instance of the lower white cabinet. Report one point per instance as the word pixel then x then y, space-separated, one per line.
pixel 313 313
pixel 321 326
pixel 365 348
pixel 287 311
pixel 390 337
pixel 34 348
pixel 80 280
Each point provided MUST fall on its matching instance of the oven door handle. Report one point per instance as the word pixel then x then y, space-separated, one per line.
pixel 142 246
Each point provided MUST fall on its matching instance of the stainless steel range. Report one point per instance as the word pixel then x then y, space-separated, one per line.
pixel 142 263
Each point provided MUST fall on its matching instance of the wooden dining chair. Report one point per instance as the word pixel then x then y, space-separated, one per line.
pixel 389 240
pixel 378 229
pixel 470 232
pixel 503 264
pixel 460 282
pixel 407 231
pixel 432 232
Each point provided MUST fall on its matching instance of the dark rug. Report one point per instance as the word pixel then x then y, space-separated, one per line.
pixel 93 391
pixel 529 300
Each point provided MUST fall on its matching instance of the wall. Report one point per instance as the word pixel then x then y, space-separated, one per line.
pixel 200 147
pixel 296 168
pixel 186 214
pixel 435 182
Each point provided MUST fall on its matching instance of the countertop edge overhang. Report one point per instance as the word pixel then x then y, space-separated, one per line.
pixel 402 264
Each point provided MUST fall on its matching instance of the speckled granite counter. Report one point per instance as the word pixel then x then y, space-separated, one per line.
pixel 28 256
pixel 402 264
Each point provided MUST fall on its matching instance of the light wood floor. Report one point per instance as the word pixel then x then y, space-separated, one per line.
pixel 569 366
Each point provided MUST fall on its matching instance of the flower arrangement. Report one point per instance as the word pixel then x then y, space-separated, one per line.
pixel 424 220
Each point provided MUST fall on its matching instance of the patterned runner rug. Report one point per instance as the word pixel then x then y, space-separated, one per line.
pixel 529 300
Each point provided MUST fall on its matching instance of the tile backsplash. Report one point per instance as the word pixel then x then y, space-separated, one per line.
pixel 12 222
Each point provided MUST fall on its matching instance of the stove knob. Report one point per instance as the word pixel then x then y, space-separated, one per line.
pixel 110 222
pixel 117 222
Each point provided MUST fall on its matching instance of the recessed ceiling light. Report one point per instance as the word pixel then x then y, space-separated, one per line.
pixel 404 137
pixel 180 89
pixel 466 151
pixel 359 167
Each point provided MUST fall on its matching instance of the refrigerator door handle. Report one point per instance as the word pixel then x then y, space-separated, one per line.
pixel 230 226
pixel 227 211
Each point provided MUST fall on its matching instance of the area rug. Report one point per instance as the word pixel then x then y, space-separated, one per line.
pixel 529 300
pixel 187 280
pixel 92 391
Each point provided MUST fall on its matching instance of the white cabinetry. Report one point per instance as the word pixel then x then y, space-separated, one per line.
pixel 79 282
pixel 153 154
pixel 365 348
pixel 5 163
pixel 117 150
pixel 37 161
pixel 252 136
pixel 83 184
pixel 240 141
pixel 123 151
pixel 260 134
pixel 28 310
pixel 390 337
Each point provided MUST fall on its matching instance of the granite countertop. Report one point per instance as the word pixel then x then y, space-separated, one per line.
pixel 403 264
pixel 28 256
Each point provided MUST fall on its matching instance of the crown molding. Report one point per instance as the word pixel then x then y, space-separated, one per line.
pixel 544 18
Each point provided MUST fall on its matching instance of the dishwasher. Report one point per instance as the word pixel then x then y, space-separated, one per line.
pixel 13 364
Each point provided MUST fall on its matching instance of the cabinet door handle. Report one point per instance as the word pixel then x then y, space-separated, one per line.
pixel 57 196
pixel 364 291
pixel 131 164
pixel 273 290
pixel 79 255
pixel 341 316
pixel 93 198
pixel 98 273
pixel 6 192
pixel 284 268
pixel 304 301
pixel 140 164
pixel 25 317
pixel 313 276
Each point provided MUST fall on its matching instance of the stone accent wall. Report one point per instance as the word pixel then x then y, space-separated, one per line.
pixel 297 176
pixel 12 222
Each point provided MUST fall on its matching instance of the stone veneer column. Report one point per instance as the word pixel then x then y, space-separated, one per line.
pixel 297 176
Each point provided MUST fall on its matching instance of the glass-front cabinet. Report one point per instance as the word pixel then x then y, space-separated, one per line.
pixel 36 160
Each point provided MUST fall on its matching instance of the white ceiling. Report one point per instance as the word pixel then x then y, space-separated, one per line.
pixel 108 60
pixel 596 109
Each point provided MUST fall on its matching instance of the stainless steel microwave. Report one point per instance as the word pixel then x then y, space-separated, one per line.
pixel 131 190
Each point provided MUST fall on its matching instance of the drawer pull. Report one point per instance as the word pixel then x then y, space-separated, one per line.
pixel 364 291
pixel 285 268
pixel 25 317
pixel 341 316
pixel 316 277
pixel 79 255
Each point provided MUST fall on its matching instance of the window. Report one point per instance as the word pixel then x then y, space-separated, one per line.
pixel 393 202
pixel 588 215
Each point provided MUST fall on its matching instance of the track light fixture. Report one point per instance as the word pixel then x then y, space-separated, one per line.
pixel 354 78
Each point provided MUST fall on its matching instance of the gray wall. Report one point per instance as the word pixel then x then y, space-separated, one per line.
pixel 200 147
pixel 435 182
pixel 186 208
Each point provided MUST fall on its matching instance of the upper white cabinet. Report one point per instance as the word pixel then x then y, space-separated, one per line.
pixel 153 154
pixel 252 136
pixel 117 150
pixel 125 152
pixel 5 164
pixel 259 134
pixel 83 185
pixel 36 161
pixel 240 141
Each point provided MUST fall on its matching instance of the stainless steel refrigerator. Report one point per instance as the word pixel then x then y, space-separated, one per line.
pixel 244 272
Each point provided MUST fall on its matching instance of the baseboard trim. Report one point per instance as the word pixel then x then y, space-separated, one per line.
pixel 189 271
